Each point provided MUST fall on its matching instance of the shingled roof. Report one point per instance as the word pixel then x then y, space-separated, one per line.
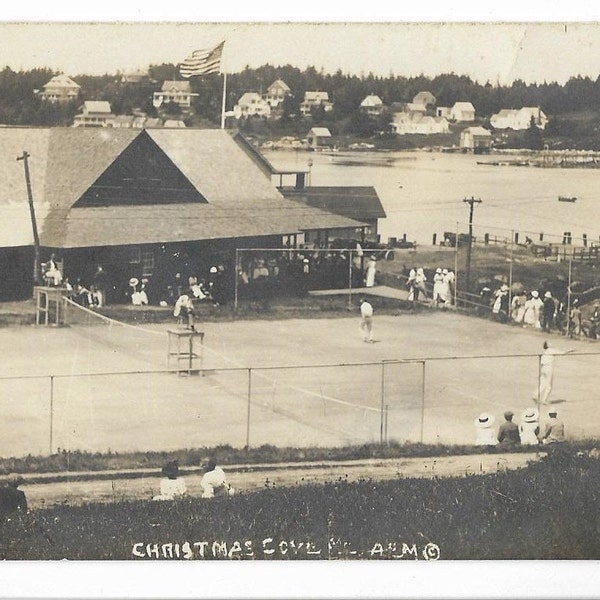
pixel 65 162
pixel 355 202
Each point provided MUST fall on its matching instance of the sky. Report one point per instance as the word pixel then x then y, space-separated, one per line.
pixel 534 46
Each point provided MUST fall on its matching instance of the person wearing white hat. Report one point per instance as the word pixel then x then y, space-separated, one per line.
pixel 485 434
pixel 438 285
pixel 371 270
pixel 549 312
pixel 533 308
pixel 529 428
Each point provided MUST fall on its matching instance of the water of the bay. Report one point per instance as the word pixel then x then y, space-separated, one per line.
pixel 422 194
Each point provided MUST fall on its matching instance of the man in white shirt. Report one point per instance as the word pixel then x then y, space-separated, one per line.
pixel 366 323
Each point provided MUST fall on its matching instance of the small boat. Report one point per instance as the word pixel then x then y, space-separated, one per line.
pixel 567 198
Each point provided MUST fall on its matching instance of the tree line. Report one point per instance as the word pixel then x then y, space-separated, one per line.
pixel 21 105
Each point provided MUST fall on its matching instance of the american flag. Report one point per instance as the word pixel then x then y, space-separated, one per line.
pixel 202 62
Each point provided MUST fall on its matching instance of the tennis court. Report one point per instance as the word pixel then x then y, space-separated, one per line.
pixel 298 382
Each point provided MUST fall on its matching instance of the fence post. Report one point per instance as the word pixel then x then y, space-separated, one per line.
pixel 539 381
pixel 248 410
pixel 350 280
pixel 382 410
pixel 422 400
pixel 51 411
pixel 237 267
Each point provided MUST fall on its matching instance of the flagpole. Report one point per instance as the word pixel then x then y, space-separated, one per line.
pixel 223 101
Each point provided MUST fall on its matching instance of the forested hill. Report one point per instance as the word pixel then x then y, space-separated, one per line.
pixel 21 105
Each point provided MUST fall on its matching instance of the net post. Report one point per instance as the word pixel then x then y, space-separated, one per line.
pixel 387 412
pixel 382 410
pixel 237 268
pixel 248 409
pixel 422 399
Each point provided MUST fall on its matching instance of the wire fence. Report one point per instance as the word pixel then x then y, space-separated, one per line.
pixel 427 400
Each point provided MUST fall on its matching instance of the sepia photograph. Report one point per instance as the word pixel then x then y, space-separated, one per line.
pixel 300 293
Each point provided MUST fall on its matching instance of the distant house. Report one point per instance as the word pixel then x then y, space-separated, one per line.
pixel 123 121
pixel 135 76
pixel 179 92
pixel 462 112
pixel 318 137
pixel 60 88
pixel 174 124
pixel 276 93
pixel 372 105
pixel 443 111
pixel 413 108
pixel 252 104
pixel 314 100
pixel 476 139
pixel 94 113
pixel 416 123
pixel 424 98
pixel 518 119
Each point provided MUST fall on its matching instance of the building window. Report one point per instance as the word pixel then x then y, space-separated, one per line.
pixel 147 263
pixel 135 256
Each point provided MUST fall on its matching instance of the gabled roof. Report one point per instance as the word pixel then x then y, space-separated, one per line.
pixel 463 106
pixel 320 132
pixel 279 83
pixel 506 112
pixel 250 98
pixel 65 162
pixel 424 97
pixel 371 101
pixel 63 81
pixel 96 106
pixel 355 202
pixel 176 86
pixel 315 96
pixel 477 131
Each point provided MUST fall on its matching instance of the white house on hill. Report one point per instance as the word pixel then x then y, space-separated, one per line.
pixel 511 118
pixel 252 104
pixel 94 113
pixel 315 99
pixel 60 88
pixel 277 92
pixel 179 92
pixel 372 105
pixel 424 98
pixel 462 112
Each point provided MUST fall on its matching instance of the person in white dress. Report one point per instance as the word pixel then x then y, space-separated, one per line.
pixel 485 433
pixel 172 486
pixel 371 270
pixel 214 482
pixel 533 309
pixel 438 284
pixel 529 428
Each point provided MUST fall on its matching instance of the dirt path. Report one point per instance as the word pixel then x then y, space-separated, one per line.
pixel 101 487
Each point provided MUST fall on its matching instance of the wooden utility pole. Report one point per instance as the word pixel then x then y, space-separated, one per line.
pixel 471 202
pixel 36 237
